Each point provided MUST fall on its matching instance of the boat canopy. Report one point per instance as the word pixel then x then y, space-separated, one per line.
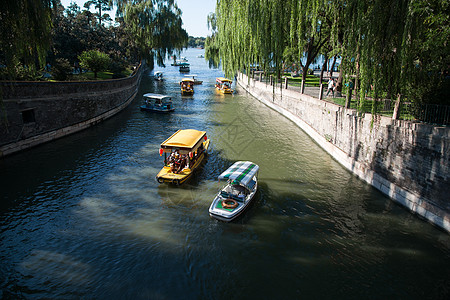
pixel 187 80
pixel 157 96
pixel 223 79
pixel 240 171
pixel 186 140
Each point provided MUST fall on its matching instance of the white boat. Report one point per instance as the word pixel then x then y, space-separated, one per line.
pixel 238 193
pixel 179 62
pixel 157 103
pixel 158 75
pixel 194 77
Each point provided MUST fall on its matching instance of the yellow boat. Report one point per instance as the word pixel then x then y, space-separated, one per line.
pixel 183 153
pixel 187 86
pixel 223 85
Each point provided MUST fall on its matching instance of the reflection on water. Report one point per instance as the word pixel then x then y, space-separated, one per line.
pixel 84 217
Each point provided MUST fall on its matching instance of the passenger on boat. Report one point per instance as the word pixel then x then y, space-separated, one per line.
pixel 178 164
pixel 173 161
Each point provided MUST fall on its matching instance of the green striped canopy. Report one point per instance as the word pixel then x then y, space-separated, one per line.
pixel 241 171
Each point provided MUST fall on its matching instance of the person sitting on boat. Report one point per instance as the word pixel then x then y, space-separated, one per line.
pixel 174 161
pixel 180 163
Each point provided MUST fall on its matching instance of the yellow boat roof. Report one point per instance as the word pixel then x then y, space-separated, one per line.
pixel 223 79
pixel 184 139
pixel 188 79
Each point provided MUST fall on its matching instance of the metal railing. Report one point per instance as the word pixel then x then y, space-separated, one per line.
pixel 427 113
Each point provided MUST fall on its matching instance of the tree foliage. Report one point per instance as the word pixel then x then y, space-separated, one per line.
pixel 392 48
pixel 196 42
pixel 34 32
pixel 94 61
pixel 156 28
pixel 25 31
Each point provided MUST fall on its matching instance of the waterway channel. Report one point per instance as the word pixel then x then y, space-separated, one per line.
pixel 83 217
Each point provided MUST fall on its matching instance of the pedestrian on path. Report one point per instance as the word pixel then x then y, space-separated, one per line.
pixel 330 86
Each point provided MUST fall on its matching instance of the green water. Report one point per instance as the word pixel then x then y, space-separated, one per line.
pixel 83 217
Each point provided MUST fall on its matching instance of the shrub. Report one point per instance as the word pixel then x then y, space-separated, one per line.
pixel 94 60
pixel 61 69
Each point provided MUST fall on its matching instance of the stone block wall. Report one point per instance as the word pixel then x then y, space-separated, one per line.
pixel 36 112
pixel 407 161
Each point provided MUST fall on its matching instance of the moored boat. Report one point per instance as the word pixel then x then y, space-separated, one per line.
pixel 187 86
pixel 157 103
pixel 223 85
pixel 194 77
pixel 183 152
pixel 238 193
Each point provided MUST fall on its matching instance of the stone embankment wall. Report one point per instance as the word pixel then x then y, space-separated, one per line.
pixel 37 112
pixel 409 162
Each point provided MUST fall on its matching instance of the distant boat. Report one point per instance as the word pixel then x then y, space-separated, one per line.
pixel 179 62
pixel 184 68
pixel 223 85
pixel 201 56
pixel 158 76
pixel 157 103
pixel 196 81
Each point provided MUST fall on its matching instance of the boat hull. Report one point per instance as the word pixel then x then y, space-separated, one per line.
pixel 227 91
pixel 216 210
pixel 187 93
pixel 149 109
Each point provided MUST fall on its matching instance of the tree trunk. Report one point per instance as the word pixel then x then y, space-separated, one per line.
pixel 304 75
pixel 324 66
pixel 332 66
pixel 339 84
pixel 396 113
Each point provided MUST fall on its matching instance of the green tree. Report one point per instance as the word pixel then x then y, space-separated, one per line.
pixel 211 44
pixel 394 49
pixel 101 5
pixel 25 32
pixel 155 26
pixel 94 60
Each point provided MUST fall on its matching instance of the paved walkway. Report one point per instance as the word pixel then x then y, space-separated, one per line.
pixel 312 91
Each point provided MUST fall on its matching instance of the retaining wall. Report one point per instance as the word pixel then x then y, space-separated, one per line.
pixel 409 162
pixel 38 112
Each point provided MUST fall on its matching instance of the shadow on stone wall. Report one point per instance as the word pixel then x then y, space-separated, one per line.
pixel 409 162
pixel 37 112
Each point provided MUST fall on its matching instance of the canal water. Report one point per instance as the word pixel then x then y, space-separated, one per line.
pixel 83 217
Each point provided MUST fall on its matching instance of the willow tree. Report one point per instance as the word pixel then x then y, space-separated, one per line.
pixel 251 33
pixel 211 46
pixel 25 32
pixel 309 30
pixel 398 49
pixel 156 27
